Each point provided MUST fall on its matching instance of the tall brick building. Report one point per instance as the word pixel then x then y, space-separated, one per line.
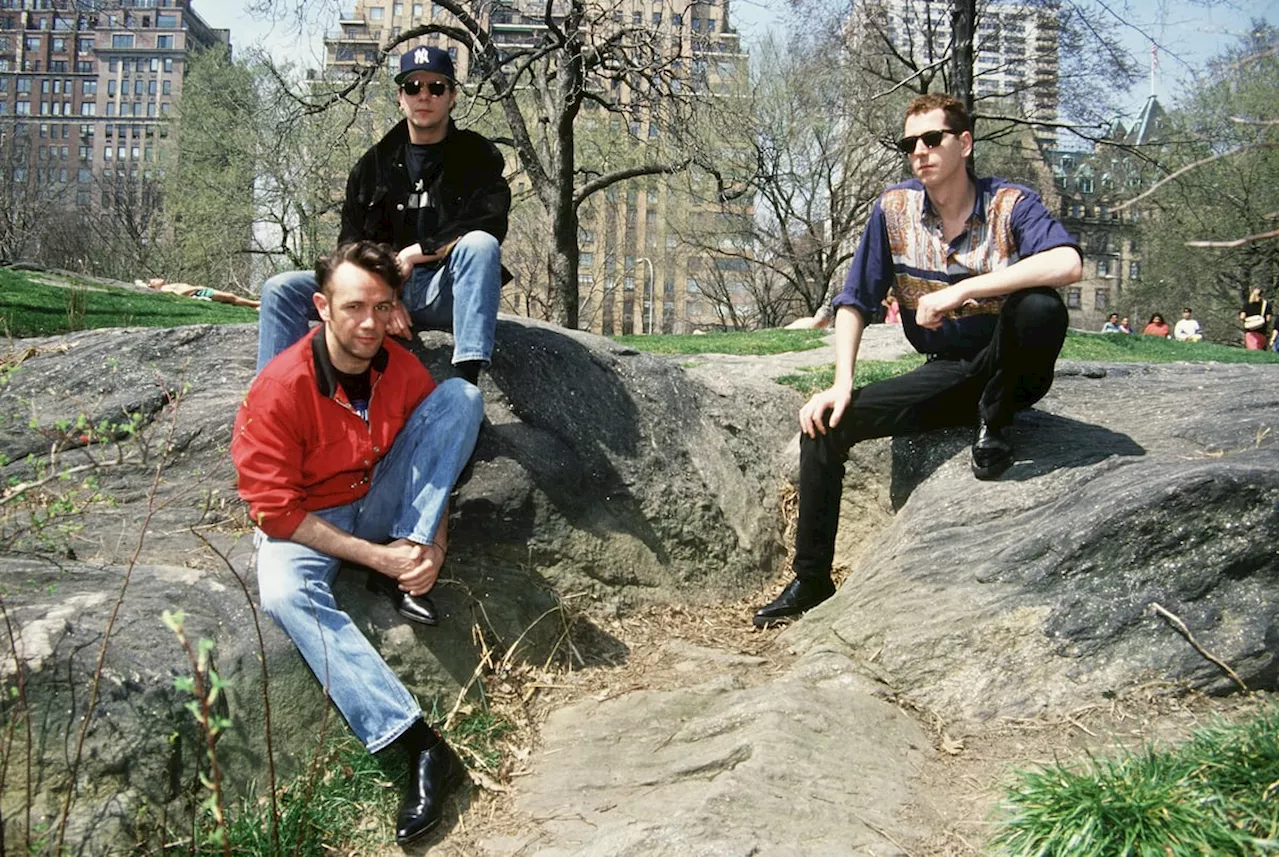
pixel 85 87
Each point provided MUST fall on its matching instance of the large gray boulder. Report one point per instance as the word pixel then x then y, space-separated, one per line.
pixel 602 474
pixel 1135 485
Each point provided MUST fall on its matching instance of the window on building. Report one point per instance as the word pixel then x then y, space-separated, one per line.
pixel 1104 267
pixel 1073 297
pixel 138 86
pixel 168 64
pixel 637 18
pixel 58 45
pixel 165 87
pixel 122 40
pixel 88 87
pixel 111 88
pixel 84 45
pixel 417 10
pixel 166 21
pixel 88 108
pixel 32 43
pixel 397 10
pixel 24 84
pixel 164 43
pixel 1101 298
pixel 111 108
pixel 376 13
pixel 1135 270
pixel 657 19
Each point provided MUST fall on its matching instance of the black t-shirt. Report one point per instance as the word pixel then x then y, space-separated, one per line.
pixel 357 389
pixel 423 164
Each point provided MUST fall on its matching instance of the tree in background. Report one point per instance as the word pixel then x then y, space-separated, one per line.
pixel 805 146
pixel 210 172
pixel 588 62
pixel 1211 235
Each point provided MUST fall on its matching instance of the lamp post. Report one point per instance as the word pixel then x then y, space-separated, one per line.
pixel 652 290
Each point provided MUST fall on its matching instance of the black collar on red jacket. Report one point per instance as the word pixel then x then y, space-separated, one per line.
pixel 326 375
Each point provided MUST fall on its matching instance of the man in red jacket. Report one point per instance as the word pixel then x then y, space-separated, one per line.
pixel 347 450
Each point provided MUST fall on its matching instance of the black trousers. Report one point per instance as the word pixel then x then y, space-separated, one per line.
pixel 1014 371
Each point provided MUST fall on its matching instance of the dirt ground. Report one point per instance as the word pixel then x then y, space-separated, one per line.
pixel 959 788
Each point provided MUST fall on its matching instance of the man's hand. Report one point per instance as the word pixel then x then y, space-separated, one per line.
pixel 836 399
pixel 933 307
pixel 415 567
pixel 399 324
pixel 407 258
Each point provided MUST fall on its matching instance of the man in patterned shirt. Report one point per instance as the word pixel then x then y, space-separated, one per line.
pixel 974 264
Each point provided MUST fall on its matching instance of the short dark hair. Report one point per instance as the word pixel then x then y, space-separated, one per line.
pixel 957 116
pixel 1186 309
pixel 1114 315
pixel 377 259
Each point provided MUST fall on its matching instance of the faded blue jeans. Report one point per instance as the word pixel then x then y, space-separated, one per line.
pixel 407 497
pixel 460 295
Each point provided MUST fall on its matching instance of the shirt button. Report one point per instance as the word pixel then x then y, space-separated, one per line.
pixel 366 462
pixel 400 207
pixel 377 449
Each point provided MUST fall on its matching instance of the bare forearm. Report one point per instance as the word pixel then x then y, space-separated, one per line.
pixel 318 534
pixel 849 327
pixel 1059 266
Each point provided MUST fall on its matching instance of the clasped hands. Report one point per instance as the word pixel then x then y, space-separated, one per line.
pixel 933 307
pixel 414 566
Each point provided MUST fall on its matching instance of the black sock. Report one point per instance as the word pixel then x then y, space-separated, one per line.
pixel 469 370
pixel 418 737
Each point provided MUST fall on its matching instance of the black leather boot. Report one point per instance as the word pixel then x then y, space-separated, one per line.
pixel 801 594
pixel 992 453
pixel 434 773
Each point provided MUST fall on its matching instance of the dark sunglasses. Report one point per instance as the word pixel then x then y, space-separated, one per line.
pixel 932 139
pixel 435 87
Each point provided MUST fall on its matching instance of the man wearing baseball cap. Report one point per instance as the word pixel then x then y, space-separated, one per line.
pixel 436 195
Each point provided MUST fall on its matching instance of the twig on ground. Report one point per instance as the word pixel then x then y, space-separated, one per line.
pixel 1182 629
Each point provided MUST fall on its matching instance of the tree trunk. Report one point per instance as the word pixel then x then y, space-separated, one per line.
pixel 963 15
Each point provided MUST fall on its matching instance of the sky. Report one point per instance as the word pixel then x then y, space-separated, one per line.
pixel 1188 31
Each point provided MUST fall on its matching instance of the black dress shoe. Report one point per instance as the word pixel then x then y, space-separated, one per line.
pixel 800 595
pixel 992 453
pixel 433 775
pixel 416 608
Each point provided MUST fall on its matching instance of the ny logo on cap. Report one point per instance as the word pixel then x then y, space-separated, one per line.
pixel 421 56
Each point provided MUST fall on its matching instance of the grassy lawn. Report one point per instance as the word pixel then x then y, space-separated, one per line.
pixel 753 342
pixel 1079 346
pixel 32 308
pixel 1215 794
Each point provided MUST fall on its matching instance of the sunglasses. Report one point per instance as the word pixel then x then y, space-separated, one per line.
pixel 434 87
pixel 932 139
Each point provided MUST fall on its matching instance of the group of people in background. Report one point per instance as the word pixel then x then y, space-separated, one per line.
pixel 1255 318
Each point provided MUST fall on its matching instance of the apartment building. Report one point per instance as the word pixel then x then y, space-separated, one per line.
pixel 86 85
pixel 1091 187
pixel 636 274
pixel 1015 47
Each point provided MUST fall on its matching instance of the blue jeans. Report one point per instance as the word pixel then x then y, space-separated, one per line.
pixel 460 295
pixel 407 498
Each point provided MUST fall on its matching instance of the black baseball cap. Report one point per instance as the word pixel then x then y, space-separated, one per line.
pixel 425 59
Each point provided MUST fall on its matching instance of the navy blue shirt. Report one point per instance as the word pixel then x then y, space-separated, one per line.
pixel 903 248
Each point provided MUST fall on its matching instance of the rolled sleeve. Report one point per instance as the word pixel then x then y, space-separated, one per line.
pixel 871 274
pixel 1036 230
pixel 268 457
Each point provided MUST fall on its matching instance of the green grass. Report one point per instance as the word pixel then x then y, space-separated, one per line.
pixel 1079 346
pixel 753 342
pixel 1113 348
pixel 32 308
pixel 1215 794
pixel 350 808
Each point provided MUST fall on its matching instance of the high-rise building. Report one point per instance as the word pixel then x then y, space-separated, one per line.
pixel 85 87
pixel 635 273
pixel 1015 47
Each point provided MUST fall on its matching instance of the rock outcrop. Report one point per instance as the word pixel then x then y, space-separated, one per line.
pixel 602 473
pixel 1135 485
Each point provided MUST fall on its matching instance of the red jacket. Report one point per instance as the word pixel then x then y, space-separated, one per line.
pixel 299 447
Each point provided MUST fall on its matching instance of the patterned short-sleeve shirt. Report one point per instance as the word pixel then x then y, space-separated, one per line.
pixel 903 248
